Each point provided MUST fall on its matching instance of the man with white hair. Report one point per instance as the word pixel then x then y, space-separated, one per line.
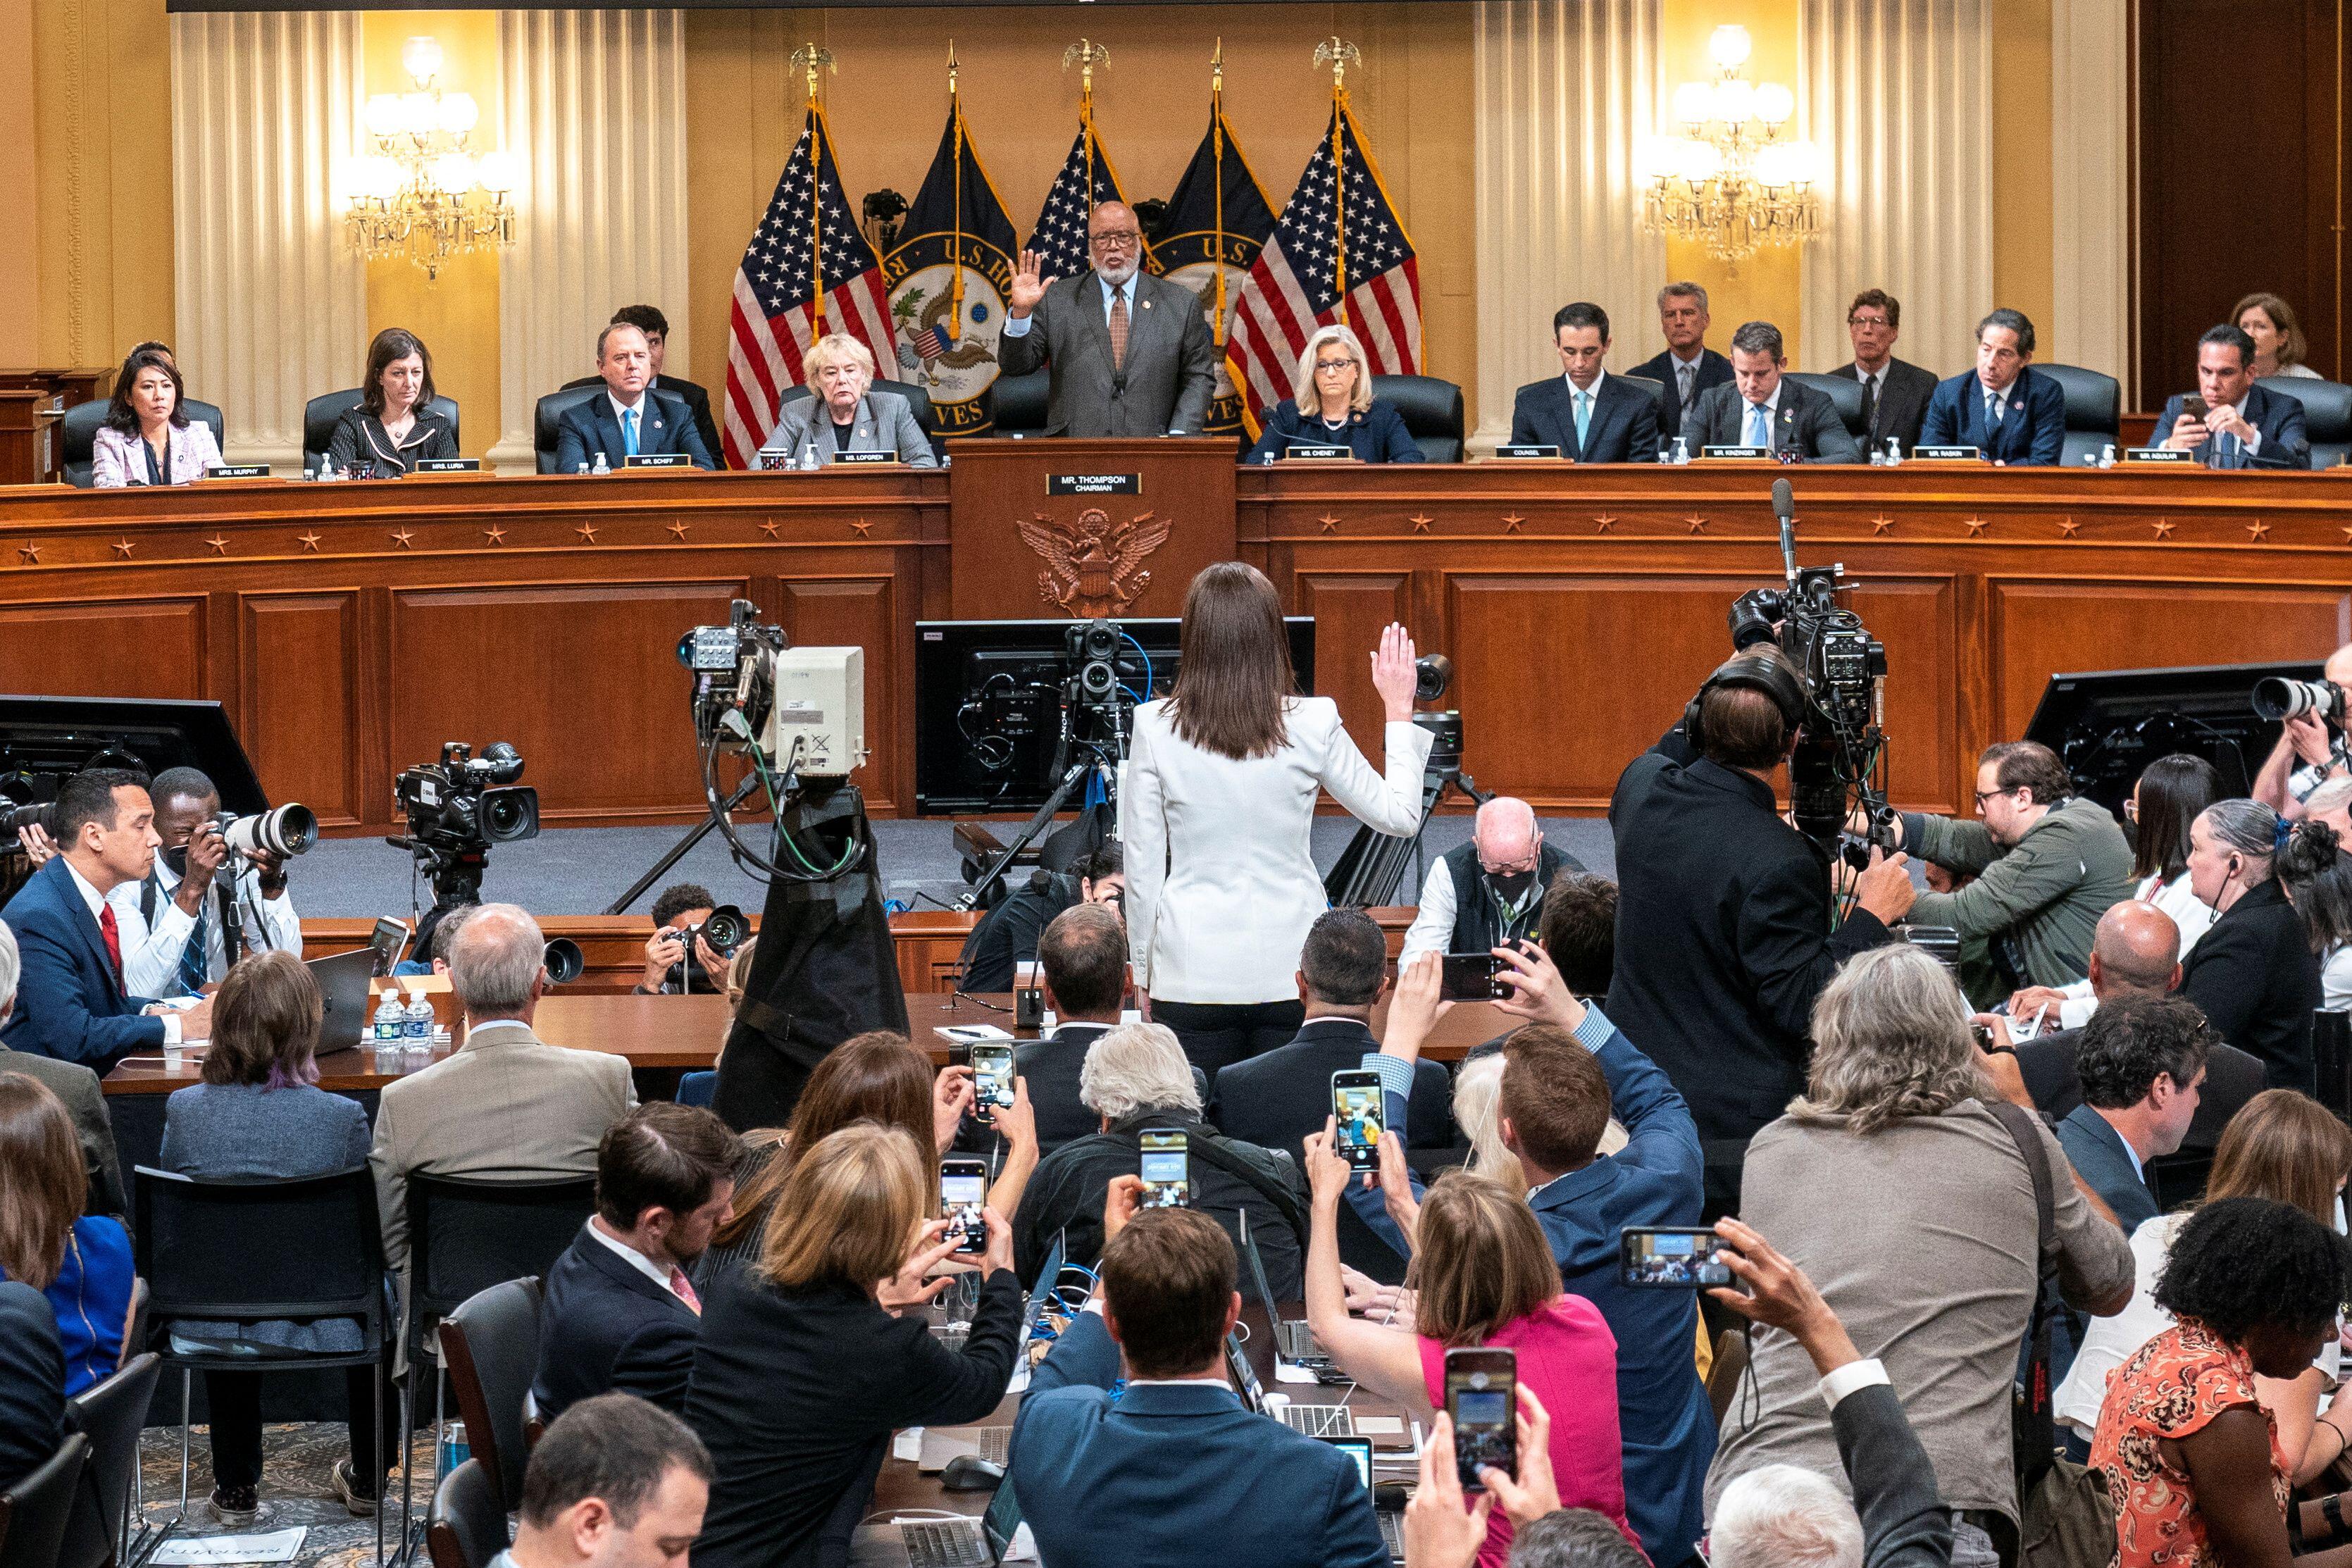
pixel 1485 893
pixel 1136 1078
pixel 74 1084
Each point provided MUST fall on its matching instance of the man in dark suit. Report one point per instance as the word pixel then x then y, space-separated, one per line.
pixel 2016 419
pixel 648 319
pixel 2245 425
pixel 1588 416
pixel 70 1003
pixel 1175 1470
pixel 633 418
pixel 618 1313
pixel 1082 957
pixel 1130 353
pixel 76 1087
pixel 2142 1066
pixel 1760 407
pixel 32 1381
pixel 1688 367
pixel 1895 393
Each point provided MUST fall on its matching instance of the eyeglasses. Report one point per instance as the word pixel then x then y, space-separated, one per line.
pixel 1985 794
pixel 1116 239
pixel 1868 321
pixel 1323 365
pixel 1515 869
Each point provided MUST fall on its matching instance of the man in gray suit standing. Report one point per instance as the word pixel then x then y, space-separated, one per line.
pixel 1130 353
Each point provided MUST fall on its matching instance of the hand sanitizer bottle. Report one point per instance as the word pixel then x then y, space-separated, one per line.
pixel 1893 453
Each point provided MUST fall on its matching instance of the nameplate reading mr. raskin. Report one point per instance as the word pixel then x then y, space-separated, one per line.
pixel 1093 484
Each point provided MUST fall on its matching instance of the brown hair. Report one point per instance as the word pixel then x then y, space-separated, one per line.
pixel 265 1024
pixel 2286 1147
pixel 1234 674
pixel 1577 924
pixel 1480 1261
pixel 2293 345
pixel 1168 1279
pixel 123 418
pixel 661 1155
pixel 1743 728
pixel 41 1175
pixel 847 1211
pixel 874 1076
pixel 2029 764
pixel 391 344
pixel 1554 1096
pixel 1884 300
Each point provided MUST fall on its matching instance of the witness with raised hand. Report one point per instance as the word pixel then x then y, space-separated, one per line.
pixel 803 1370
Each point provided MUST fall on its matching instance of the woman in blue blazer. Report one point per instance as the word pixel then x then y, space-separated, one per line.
pixel 1332 382
pixel 81 1263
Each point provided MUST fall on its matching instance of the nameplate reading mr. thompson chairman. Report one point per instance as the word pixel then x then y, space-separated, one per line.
pixel 1093 484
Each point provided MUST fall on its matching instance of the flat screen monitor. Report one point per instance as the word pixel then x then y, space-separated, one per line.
pixel 2108 725
pixel 45 738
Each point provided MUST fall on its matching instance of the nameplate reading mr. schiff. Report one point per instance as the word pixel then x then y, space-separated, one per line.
pixel 659 460
pixel 1093 484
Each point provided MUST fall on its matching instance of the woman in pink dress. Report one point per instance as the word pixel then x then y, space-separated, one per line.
pixel 1482 1276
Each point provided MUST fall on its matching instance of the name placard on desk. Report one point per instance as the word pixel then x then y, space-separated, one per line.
pixel 659 460
pixel 890 455
pixel 449 465
pixel 1527 451
pixel 237 470
pixel 1318 452
pixel 1093 484
pixel 1748 454
pixel 1948 454
pixel 2177 455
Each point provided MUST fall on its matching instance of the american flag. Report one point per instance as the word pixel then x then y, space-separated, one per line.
pixel 1293 285
pixel 1086 182
pixel 808 227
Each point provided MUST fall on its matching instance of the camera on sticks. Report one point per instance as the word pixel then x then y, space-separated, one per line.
pixel 802 709
pixel 458 807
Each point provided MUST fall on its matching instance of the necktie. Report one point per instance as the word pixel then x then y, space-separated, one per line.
pixel 629 432
pixel 1992 411
pixel 1583 418
pixel 2232 450
pixel 1759 427
pixel 196 959
pixel 1118 328
pixel 683 1290
pixel 107 929
pixel 1870 403
pixel 1684 375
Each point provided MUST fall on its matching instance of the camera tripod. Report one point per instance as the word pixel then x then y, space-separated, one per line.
pixel 1367 873
pixel 679 850
pixel 1101 757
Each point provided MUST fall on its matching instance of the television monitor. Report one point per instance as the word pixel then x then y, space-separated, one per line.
pixel 2108 725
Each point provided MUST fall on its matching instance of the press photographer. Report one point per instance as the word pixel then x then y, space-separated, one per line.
pixel 1007 936
pixel 171 923
pixel 2311 745
pixel 685 913
pixel 1486 893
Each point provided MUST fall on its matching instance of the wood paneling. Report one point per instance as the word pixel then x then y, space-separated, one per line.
pixel 1350 611
pixel 299 699
pixel 103 648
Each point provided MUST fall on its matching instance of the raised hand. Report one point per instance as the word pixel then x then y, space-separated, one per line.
pixel 1028 285
pixel 1393 672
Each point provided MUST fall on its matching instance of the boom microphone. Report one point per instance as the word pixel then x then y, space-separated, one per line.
pixel 1784 507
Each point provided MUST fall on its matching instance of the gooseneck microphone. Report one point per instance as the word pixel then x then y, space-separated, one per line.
pixel 1784 507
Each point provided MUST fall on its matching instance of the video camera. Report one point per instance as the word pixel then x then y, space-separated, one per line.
pixel 458 807
pixel 803 710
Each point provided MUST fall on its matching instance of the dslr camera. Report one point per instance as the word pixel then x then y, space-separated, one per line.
pixel 2277 699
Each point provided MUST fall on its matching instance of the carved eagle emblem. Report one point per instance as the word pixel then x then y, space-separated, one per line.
pixel 1094 566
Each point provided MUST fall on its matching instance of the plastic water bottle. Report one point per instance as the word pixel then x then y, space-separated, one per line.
pixel 391 1024
pixel 583 469
pixel 602 466
pixel 417 1022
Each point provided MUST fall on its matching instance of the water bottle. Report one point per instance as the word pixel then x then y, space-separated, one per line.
pixel 390 1023
pixel 1877 459
pixel 583 468
pixel 416 1025
pixel 602 466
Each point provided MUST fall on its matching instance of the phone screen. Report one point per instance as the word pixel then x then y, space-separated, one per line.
pixel 1672 1259
pixel 1469 977
pixel 1356 1107
pixel 1359 1449
pixel 1166 1170
pixel 1480 1389
pixel 963 1192
pixel 992 1078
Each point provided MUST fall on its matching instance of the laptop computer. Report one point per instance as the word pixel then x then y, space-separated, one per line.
pixel 960 1543
pixel 343 987
pixel 1391 1524
pixel 941 1444
pixel 1293 1339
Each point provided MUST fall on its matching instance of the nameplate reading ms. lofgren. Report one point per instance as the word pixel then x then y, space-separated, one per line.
pixel 1093 484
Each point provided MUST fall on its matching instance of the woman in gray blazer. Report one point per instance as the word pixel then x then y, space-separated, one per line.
pixel 846 414
pixel 257 1116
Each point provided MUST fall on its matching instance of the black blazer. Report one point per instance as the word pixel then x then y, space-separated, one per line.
pixel 1714 370
pixel 2276 417
pixel 1050 1068
pixel 796 1393
pixel 2231 1078
pixel 603 1326
pixel 697 404
pixel 1904 1524
pixel 360 438
pixel 1623 428
pixel 1804 421
pixel 1279 1100
pixel 2255 977
pixel 1903 394
pixel 589 427
pixel 32 1381
pixel 1376 435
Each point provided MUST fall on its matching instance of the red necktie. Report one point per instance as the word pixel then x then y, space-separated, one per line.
pixel 1118 330
pixel 106 928
pixel 684 1289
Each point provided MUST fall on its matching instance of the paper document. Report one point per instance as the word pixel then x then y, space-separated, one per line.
pixel 184 1551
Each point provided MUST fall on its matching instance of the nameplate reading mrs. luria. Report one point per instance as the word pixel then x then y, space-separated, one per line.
pixel 450 465
pixel 1093 484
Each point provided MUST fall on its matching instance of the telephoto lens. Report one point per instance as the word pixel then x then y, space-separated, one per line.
pixel 285 831
pixel 725 929
pixel 2277 698
pixel 565 960
pixel 14 818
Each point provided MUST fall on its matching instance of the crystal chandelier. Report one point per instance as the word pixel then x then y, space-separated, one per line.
pixel 422 193
pixel 1729 181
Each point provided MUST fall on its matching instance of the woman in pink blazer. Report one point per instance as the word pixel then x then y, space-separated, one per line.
pixel 147 438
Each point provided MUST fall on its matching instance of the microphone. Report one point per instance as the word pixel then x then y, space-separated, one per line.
pixel 1784 507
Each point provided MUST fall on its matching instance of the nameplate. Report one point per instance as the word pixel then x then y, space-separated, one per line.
pixel 1948 454
pixel 1093 484
pixel 659 460
pixel 2159 454
pixel 890 456
pixel 1744 452
pixel 1527 451
pixel 237 470
pixel 448 465
pixel 1319 452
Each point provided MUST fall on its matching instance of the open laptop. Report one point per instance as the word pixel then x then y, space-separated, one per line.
pixel 960 1543
pixel 1391 1525
pixel 343 987
pixel 1293 1339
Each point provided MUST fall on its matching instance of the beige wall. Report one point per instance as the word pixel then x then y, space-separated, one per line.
pixel 2022 277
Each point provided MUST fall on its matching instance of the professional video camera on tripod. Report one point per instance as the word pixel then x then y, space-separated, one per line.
pixel 457 808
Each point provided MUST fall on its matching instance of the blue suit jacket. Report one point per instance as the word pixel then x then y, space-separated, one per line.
pixel 1623 428
pixel 2278 418
pixel 2097 1153
pixel 1177 1473
pixel 603 1326
pixel 1376 435
pixel 69 1003
pixel 2033 431
pixel 1658 1178
pixel 590 427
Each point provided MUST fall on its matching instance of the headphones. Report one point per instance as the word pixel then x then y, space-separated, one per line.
pixel 1763 669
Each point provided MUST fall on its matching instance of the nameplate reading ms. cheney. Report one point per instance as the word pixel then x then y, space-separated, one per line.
pixel 1093 484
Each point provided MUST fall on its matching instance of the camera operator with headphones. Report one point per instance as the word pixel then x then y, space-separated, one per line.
pixel 1724 927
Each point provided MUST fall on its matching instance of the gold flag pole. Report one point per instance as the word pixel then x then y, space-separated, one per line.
pixel 1086 55
pixel 1338 54
pixel 955 170
pixel 1217 153
pixel 813 59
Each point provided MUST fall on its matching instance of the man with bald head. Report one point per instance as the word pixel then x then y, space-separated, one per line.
pixel 1487 892
pixel 1129 353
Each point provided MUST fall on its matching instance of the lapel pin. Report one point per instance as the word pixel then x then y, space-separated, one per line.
pixel 1147 304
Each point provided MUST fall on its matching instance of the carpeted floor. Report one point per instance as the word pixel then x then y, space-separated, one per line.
pixel 295 1490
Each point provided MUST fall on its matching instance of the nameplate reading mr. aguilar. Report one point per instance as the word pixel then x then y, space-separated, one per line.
pixel 1093 484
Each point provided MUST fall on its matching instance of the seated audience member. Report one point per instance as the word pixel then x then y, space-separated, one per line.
pixel 395 426
pixel 1895 393
pixel 2190 1460
pixel 677 907
pixel 1758 407
pixel 2285 1147
pixel 1686 368
pixel 80 1262
pixel 632 418
pixel 2331 803
pixel 2309 753
pixel 1173 1471
pixel 649 319
pixel 257 1116
pixel 2014 418
pixel 2279 342
pixel 1007 936
pixel 1560 1085
pixel 1446 1528
pixel 2164 799
pixel 77 1090
pixel 2317 876
pixel 1484 1276
pixel 1082 958
pixel 615 1483
pixel 1485 893
pixel 169 922
pixel 71 1002
pixel 619 1312
pixel 2141 1066
pixel 1894 1090
pixel 1332 405
pixel 1590 417
pixel 2245 425
pixel 148 437
pixel 2047 862
pixel 503 1105
pixel 2253 973
pixel 1280 1100
pixel 31 1383
pixel 846 414
pixel 1578 928
pixel 803 1368
pixel 1135 1079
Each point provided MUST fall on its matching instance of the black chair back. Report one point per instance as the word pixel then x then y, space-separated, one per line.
pixel 551 408
pixel 468 1527
pixel 2094 410
pixel 2331 1053
pixel 467 1235
pixel 490 1347
pixel 217 1250
pixel 1433 413
pixel 321 415
pixel 1844 394
pixel 2326 414
pixel 34 1512
pixel 110 1414
pixel 2179 1177
pixel 1021 404
pixel 918 402
pixel 78 435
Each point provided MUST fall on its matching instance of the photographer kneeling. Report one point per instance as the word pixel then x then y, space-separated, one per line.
pixel 679 913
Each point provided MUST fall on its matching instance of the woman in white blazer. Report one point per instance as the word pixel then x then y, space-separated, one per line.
pixel 1222 781
pixel 148 437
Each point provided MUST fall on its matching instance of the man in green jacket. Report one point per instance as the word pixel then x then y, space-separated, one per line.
pixel 2047 865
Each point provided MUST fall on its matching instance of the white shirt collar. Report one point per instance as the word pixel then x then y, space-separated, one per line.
pixel 635 1259
pixel 1771 406
pixel 1593 391
pixel 1984 392
pixel 620 407
pixel 89 893
pixel 1867 376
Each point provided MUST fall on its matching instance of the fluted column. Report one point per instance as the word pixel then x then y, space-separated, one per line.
pixel 2091 186
pixel 596 101
pixel 272 306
